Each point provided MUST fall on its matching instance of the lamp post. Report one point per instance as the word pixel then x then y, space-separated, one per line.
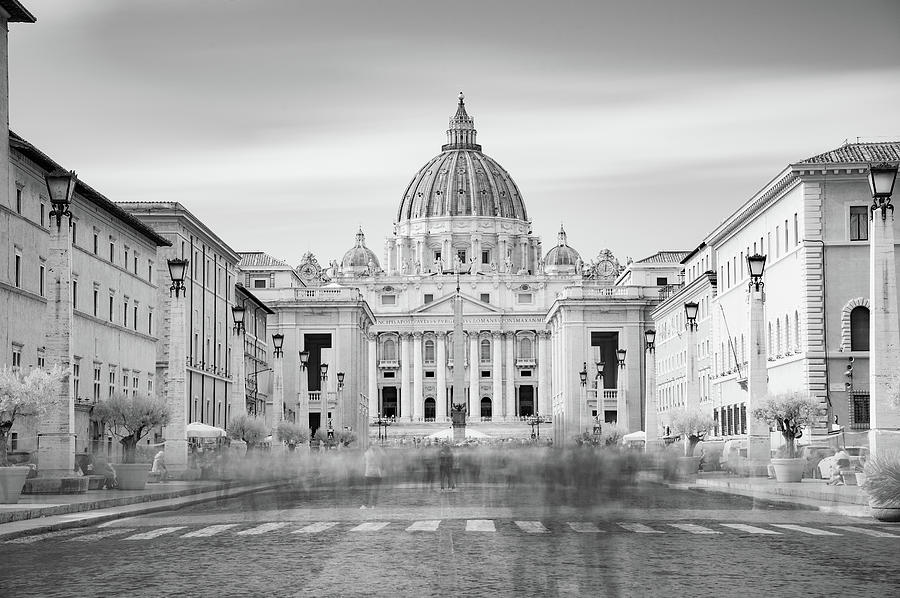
pixel 382 422
pixel 651 416
pixel 621 400
pixel 277 380
pixel 303 394
pixel 884 332
pixel 340 400
pixel 56 447
pixel 600 389
pixel 176 398
pixel 583 376
pixel 238 365
pixel 758 444
pixel 692 386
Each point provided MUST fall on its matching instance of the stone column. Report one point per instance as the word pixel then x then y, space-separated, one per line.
pixel 884 337
pixel 497 373
pixel 239 374
pixel 373 374
pixel 56 443
pixel 524 244
pixel 176 400
pixel 758 445
pixel 398 254
pixel 474 371
pixel 542 404
pixel 446 258
pixel 277 398
pixel 418 374
pixel 511 374
pixel 651 417
pixel 405 371
pixel 441 398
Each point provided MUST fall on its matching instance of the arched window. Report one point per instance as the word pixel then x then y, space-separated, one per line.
pixel 797 343
pixel 429 351
pixel 771 346
pixel 485 351
pixel 787 335
pixel 525 348
pixel 389 350
pixel 778 336
pixel 859 328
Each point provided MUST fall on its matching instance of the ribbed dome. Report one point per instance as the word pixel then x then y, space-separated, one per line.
pixel 562 259
pixel 461 180
pixel 359 256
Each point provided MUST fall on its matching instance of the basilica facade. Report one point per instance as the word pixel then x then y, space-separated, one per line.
pixel 533 320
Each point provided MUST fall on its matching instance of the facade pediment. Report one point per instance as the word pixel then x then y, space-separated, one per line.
pixel 444 306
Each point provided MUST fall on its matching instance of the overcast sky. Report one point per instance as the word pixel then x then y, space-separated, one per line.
pixel 286 124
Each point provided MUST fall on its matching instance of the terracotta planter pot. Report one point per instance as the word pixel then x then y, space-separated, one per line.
pixel 132 476
pixel 12 480
pixel 788 470
pixel 889 512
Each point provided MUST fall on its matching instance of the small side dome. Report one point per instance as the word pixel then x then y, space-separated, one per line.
pixel 360 259
pixel 562 259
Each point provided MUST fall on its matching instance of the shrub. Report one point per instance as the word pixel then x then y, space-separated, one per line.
pixel 291 433
pixel 30 394
pixel 693 425
pixel 249 428
pixel 789 413
pixel 130 419
pixel 882 482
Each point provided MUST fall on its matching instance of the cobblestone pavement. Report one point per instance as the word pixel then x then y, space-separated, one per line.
pixel 481 540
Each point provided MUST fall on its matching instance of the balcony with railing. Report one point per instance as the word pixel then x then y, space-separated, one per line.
pixel 525 362
pixel 610 398
pixel 388 364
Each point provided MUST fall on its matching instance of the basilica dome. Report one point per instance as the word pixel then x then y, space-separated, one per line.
pixel 358 258
pixel 461 180
pixel 562 259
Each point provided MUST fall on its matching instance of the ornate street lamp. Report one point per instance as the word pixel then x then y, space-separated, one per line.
pixel 881 180
pixel 756 264
pixel 690 311
pixel 61 187
pixel 583 374
pixel 620 356
pixel 304 359
pixel 340 377
pixel 323 369
pixel 600 366
pixel 177 267
pixel 237 314
pixel 650 337
pixel 277 344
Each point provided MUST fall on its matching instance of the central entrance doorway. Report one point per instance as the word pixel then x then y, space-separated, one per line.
pixel 526 401
pixel 430 409
pixel 389 402
pixel 486 409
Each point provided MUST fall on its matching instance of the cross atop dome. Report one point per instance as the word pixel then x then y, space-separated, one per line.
pixel 461 134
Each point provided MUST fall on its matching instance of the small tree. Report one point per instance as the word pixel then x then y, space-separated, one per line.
pixel 789 413
pixel 249 428
pixel 694 425
pixel 291 433
pixel 130 419
pixel 21 395
pixel 346 437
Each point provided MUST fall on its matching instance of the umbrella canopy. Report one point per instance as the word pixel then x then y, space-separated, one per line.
pixel 448 434
pixel 639 435
pixel 201 430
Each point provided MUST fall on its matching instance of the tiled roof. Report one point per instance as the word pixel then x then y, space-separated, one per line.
pixel 260 259
pixel 859 153
pixel 17 12
pixel 665 257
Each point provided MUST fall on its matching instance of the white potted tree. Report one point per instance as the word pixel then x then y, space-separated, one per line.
pixel 21 395
pixel 692 425
pixel 129 420
pixel 789 413
pixel 247 428
pixel 290 433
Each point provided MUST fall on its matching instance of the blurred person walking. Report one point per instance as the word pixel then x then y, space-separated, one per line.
pixel 445 462
pixel 373 477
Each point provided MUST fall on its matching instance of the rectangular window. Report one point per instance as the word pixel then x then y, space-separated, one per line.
pixel 125 382
pixel 135 262
pixel 461 254
pixel 16 357
pixel 429 297
pixel 40 358
pixel 96 243
pixel 429 374
pixel 125 261
pixel 18 273
pixel 149 322
pixel 526 373
pixel 389 374
pixel 96 383
pixel 74 294
pixel 661 281
pixel 76 377
pixel 134 385
pixel 134 320
pixel 485 297
pixel 110 308
pixel 112 381
pixel 14 441
pixel 437 256
pixel 125 313
pixel 96 302
pixel 485 373
pixel 526 298
pixel 18 200
pixel 786 237
pixel 112 252
pixel 259 283
pixel 796 230
pixel 859 223
pixel 74 233
pixel 388 299
pixel 42 214
pixel 150 270
pixel 777 241
pixel 41 278
pixel 485 257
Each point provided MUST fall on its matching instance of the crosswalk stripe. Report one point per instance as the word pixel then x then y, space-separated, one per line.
pixel 370 526
pixel 424 526
pixel 314 528
pixel 806 530
pixel 480 525
pixel 864 530
pixel 751 529
pixel 45 535
pixel 262 529
pixel 532 527
pixel 584 528
pixel 212 530
pixel 155 533
pixel 106 533
pixel 693 528
pixel 639 528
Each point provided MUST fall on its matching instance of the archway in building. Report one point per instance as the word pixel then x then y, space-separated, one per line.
pixel 486 409
pixel 430 409
pixel 526 401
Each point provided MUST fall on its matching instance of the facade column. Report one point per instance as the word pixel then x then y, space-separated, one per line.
pixel 446 248
pixel 497 373
pixel 524 244
pixel 441 398
pixel 56 444
pixel 884 336
pixel 475 258
pixel 398 254
pixel 405 371
pixel 474 364
pixel 543 395
pixel 651 416
pixel 373 374
pixel 511 374
pixel 418 374
pixel 758 444
pixel 176 398
pixel 238 402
